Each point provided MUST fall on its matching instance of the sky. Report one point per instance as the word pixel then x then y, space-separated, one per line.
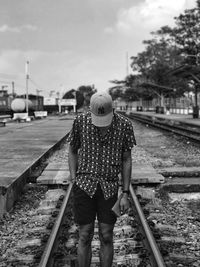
pixel 69 43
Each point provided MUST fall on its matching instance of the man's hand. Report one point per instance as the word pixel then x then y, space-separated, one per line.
pixel 124 203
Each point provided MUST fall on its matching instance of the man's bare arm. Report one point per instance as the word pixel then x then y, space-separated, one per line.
pixel 126 169
pixel 126 178
pixel 73 162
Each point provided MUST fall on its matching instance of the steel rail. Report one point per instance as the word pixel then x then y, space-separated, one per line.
pixel 47 259
pixel 191 128
pixel 155 255
pixel 194 136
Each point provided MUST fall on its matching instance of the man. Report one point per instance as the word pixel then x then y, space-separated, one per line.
pixel 100 149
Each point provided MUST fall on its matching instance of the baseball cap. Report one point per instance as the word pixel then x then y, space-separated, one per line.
pixel 101 108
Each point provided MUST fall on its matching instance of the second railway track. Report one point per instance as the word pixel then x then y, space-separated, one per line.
pixel 187 130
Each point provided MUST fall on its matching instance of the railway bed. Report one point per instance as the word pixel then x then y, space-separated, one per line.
pixel 129 245
pixel 177 235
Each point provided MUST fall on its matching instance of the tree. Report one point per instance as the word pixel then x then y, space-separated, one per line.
pixel 188 39
pixel 76 95
pixel 82 95
pixel 117 91
pixel 168 49
pixel 187 34
pixel 124 88
pixel 87 91
pixel 161 55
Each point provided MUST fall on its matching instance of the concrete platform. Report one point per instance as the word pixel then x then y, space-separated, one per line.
pixel 22 145
pixel 186 119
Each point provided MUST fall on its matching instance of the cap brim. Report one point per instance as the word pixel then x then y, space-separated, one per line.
pixel 102 121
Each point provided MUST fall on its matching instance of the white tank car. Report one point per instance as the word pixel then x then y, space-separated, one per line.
pixel 19 105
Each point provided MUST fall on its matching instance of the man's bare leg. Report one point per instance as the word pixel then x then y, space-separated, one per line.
pixel 106 244
pixel 86 233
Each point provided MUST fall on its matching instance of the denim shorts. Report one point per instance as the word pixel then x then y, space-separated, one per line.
pixel 86 209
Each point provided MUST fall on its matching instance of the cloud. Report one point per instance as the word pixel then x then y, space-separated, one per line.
pixel 5 28
pixel 108 30
pixel 29 27
pixel 151 15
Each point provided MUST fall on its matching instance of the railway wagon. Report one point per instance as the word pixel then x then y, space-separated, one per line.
pixel 5 103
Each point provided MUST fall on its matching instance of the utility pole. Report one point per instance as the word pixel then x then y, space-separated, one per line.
pixel 13 89
pixel 59 102
pixel 27 78
pixel 60 97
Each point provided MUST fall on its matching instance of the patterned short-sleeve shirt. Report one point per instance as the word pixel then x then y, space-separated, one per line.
pixel 100 158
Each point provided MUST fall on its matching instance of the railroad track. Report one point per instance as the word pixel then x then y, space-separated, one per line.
pixel 134 243
pixel 133 247
pixel 189 131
